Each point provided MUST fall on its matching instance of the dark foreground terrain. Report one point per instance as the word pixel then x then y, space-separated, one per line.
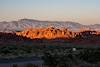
pixel 52 56
pixel 55 47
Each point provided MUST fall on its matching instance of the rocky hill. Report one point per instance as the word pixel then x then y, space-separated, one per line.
pixel 47 33
pixel 50 34
pixel 53 33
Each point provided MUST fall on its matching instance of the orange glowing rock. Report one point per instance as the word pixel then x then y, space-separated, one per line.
pixel 48 33
pixel 54 33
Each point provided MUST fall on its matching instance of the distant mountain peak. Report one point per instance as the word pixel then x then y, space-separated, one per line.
pixel 23 24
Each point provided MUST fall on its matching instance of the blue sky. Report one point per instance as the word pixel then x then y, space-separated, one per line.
pixel 82 11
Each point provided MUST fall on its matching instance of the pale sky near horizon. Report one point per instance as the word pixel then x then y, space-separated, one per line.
pixel 81 11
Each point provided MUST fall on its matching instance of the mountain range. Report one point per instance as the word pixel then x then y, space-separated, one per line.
pixel 23 24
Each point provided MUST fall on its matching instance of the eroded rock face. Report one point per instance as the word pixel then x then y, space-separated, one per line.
pixel 48 33
pixel 51 33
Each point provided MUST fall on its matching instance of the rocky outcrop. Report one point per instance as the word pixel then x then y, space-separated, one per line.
pixel 54 33
pixel 48 33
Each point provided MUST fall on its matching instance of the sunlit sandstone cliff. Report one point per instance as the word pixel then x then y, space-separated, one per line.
pixel 52 33
pixel 48 33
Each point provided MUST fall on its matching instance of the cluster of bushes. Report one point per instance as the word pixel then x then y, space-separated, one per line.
pixel 28 65
pixel 82 57
pixel 54 56
pixel 15 51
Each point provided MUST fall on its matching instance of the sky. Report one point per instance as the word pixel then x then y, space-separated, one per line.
pixel 81 11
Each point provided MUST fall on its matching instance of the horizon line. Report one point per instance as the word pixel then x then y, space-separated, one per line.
pixel 46 21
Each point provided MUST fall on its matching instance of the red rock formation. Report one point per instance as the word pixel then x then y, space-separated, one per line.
pixel 48 33
pixel 62 35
